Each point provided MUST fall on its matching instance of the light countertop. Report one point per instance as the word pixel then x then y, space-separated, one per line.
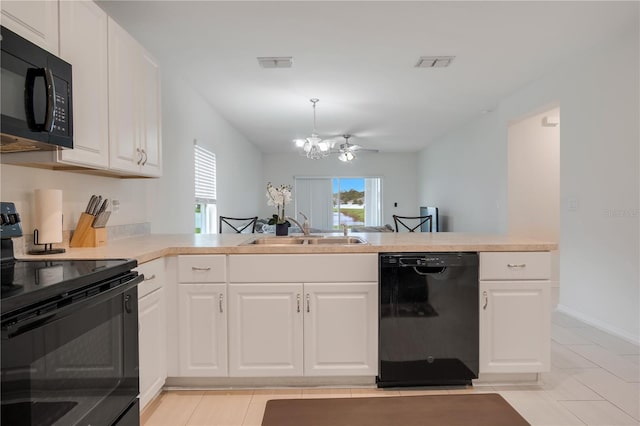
pixel 153 246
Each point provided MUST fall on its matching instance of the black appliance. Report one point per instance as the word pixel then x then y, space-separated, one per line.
pixel 36 97
pixel 69 332
pixel 428 319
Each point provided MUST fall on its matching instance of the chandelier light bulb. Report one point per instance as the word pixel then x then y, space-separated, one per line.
pixel 313 147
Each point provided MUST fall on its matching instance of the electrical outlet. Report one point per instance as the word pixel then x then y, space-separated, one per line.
pixel 115 206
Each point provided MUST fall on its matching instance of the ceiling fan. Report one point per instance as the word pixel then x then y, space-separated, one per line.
pixel 347 151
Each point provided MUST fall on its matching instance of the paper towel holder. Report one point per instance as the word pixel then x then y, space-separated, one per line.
pixel 48 247
pixel 48 221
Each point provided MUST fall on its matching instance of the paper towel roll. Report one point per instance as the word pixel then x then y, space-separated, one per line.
pixel 48 215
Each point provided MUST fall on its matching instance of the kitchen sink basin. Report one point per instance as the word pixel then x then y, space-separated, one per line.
pixel 277 241
pixel 298 240
pixel 337 240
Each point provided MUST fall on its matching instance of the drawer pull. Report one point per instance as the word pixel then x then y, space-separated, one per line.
pixel 308 303
pixel 221 302
pixel 486 300
pixel 516 265
pixel 150 277
pixel 199 268
pixel 298 301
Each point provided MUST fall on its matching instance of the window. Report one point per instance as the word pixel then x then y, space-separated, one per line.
pixel 205 191
pixel 335 201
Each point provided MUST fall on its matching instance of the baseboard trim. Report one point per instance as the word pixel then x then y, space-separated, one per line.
pixel 608 328
pixel 507 379
pixel 193 383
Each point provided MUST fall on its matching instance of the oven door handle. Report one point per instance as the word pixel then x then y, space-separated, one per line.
pixel 16 329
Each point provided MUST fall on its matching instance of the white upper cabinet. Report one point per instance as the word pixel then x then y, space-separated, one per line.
pixel 134 106
pixel 36 21
pixel 83 43
pixel 150 143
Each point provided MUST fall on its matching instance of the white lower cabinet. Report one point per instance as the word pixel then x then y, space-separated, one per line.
pixel 340 329
pixel 152 330
pixel 311 329
pixel 515 318
pixel 265 330
pixel 202 325
pixel 152 345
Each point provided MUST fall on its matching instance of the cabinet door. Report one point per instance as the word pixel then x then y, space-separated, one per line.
pixel 515 323
pixel 341 329
pixel 151 148
pixel 152 346
pixel 202 330
pixel 83 43
pixel 124 108
pixel 265 330
pixel 36 21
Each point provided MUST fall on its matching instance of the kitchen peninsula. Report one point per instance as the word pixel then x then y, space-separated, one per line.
pixel 215 311
pixel 153 246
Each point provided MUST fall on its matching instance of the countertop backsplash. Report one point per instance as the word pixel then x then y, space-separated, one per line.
pixel 117 232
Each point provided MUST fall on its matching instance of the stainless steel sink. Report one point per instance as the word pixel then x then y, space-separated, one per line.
pixel 337 240
pixel 277 241
pixel 298 240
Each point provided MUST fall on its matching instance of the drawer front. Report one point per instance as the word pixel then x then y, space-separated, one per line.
pixel 298 268
pixel 153 276
pixel 515 266
pixel 202 269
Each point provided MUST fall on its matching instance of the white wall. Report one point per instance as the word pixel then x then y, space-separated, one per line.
pixel 533 167
pixel 18 183
pixel 599 162
pixel 398 173
pixel 465 176
pixel 187 116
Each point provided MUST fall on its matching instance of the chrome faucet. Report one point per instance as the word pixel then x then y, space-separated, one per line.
pixel 305 227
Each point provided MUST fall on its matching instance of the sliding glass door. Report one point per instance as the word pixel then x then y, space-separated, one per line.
pixel 331 202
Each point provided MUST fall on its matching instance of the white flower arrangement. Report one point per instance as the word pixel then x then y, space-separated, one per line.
pixel 278 197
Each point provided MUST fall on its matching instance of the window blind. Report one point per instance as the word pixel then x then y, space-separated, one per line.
pixel 205 175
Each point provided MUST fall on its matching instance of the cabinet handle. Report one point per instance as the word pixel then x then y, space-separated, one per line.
pixel 308 303
pixel 221 302
pixel 486 300
pixel 150 277
pixel 516 265
pixel 139 156
pixel 145 157
pixel 199 268
pixel 298 301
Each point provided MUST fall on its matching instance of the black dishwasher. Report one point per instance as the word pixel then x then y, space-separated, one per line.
pixel 428 319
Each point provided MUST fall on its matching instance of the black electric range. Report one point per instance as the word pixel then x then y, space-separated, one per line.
pixel 29 283
pixel 69 337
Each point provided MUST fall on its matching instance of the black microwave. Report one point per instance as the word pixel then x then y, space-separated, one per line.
pixel 37 108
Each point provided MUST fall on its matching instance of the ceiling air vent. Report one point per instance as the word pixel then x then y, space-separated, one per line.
pixel 434 61
pixel 275 61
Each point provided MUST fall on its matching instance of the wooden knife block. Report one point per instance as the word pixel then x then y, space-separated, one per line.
pixel 87 236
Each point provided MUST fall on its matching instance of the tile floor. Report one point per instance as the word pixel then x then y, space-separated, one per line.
pixel 594 380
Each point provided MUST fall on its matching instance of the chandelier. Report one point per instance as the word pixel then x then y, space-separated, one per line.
pixel 313 147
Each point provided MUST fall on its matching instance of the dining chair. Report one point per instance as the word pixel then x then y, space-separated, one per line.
pixel 238 224
pixel 421 219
